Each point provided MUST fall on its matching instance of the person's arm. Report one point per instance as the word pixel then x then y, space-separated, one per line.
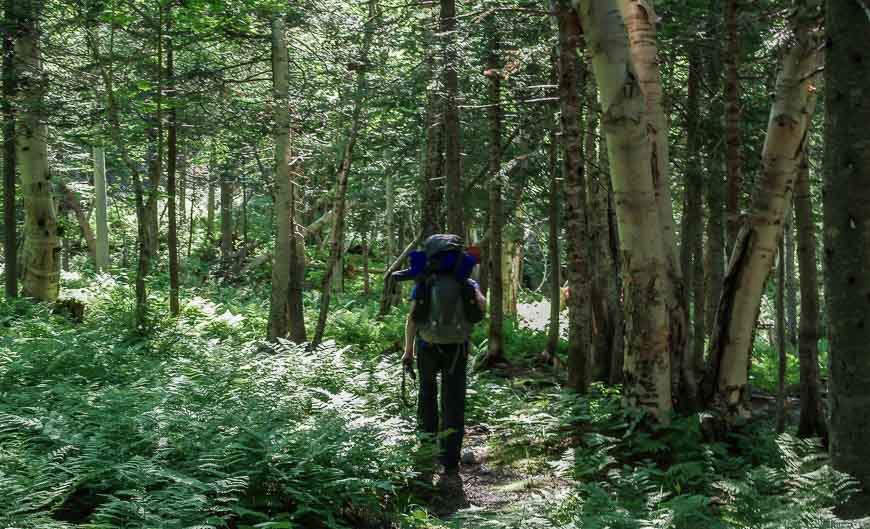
pixel 481 300
pixel 410 334
pixel 478 295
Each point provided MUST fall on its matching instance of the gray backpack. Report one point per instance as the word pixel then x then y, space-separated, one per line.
pixel 440 308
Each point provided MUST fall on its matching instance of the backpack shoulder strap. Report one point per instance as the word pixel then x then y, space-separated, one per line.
pixel 460 257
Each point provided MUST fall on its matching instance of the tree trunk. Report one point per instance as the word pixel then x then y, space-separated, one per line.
pixel 431 218
pixel 699 298
pixel 734 154
pixel 101 206
pixel 367 287
pixel 279 309
pixel 71 202
pixel 647 381
pixel 394 296
pixel 181 183
pixel 337 237
pixel 210 207
pixel 155 170
pixel 244 218
pixel 571 82
pixel 142 217
pixel 714 259
pixel 495 345
pixel 512 247
pixel 171 162
pixel 338 262
pixel 847 221
pixel 147 209
pixel 65 251
pixel 191 225
pixel 10 90
pixel 640 21
pixel 812 419
pixel 553 333
pixel 144 254
pixel 227 183
pixel 755 248
pixel 790 284
pixel 452 149
pixel 617 358
pixel 780 339
pixel 690 363
pixel 295 298
pixel 41 250
pixel 513 228
pixel 599 251
pixel 389 219
pixel 605 277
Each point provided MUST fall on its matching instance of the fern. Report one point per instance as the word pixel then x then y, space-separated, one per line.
pixel 195 427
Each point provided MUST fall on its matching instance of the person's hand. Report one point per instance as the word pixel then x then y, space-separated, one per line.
pixel 408 365
pixel 481 300
pixel 408 359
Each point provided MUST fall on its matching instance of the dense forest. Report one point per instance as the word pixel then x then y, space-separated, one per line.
pixel 212 209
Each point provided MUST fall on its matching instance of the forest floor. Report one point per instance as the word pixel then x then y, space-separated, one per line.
pixel 501 488
pixel 104 427
pixel 495 493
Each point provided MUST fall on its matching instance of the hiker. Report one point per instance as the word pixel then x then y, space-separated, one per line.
pixel 446 303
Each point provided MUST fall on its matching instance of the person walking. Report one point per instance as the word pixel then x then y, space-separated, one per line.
pixel 446 303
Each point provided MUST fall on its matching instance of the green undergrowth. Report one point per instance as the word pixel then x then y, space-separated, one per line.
pixel 201 424
pixel 196 426
pixel 764 373
pixel 631 474
pixel 599 466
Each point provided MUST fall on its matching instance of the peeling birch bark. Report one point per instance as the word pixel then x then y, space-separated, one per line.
pixel 647 382
pixel 756 244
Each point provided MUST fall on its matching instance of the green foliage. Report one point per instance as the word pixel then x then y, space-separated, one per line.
pixel 765 368
pixel 626 472
pixel 633 475
pixel 189 428
pixel 200 424
pixel 522 345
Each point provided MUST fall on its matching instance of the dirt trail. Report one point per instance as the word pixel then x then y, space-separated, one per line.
pixel 495 495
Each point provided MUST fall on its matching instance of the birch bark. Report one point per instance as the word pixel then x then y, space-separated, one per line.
pixel 756 245
pixel 41 252
pixel 647 381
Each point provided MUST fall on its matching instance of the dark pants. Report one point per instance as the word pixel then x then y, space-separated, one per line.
pixel 450 360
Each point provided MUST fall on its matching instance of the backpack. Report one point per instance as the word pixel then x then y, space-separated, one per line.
pixel 445 309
